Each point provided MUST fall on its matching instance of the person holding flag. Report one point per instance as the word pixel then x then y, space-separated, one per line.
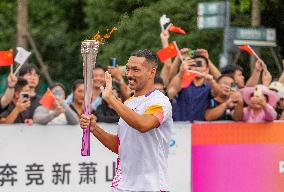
pixel 18 110
pixel 53 109
pixel 144 129
pixel 192 90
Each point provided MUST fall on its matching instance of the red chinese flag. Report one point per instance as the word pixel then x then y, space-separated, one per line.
pixel 187 78
pixel 247 48
pixel 176 29
pixel 167 52
pixel 6 58
pixel 48 100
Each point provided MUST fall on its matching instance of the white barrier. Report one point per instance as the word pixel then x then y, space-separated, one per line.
pixel 47 159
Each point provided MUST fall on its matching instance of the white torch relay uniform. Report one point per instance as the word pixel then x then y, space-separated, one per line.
pixel 142 158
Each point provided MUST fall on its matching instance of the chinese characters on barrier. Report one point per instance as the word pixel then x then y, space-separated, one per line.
pixel 60 174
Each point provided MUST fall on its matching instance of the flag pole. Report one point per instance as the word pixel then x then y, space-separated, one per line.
pixel 258 58
pixel 163 28
pixel 17 70
pixel 179 54
pixel 11 68
pixel 254 53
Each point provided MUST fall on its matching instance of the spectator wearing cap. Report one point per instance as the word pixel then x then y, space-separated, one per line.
pixel 260 101
pixel 280 105
pixel 228 104
pixel 279 89
pixel 61 114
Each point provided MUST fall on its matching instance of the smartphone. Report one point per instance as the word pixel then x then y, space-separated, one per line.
pixel 234 86
pixel 58 93
pixel 193 53
pixel 196 64
pixel 113 62
pixel 257 91
pixel 24 96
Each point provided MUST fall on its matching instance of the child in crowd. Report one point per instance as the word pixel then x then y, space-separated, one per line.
pixel 260 101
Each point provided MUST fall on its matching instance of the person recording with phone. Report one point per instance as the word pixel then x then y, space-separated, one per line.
pixel 61 114
pixel 17 111
pixel 191 102
pixel 228 104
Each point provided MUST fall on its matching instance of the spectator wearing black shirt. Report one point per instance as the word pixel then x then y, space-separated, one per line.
pixel 228 104
pixel 31 74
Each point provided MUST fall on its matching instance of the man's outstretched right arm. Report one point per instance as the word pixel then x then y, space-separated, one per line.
pixel 110 141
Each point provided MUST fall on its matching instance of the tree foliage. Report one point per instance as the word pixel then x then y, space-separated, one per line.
pixel 58 27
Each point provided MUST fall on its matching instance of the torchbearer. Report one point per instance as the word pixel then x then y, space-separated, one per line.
pixel 144 129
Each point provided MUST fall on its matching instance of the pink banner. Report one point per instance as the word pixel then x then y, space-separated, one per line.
pixel 237 167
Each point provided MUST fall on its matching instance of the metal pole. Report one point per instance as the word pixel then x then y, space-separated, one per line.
pixel 226 34
pixel 277 62
pixel 39 58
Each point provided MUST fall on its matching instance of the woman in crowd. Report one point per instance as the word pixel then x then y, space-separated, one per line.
pixel 61 114
pixel 77 104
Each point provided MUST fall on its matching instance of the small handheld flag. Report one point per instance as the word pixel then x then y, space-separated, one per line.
pixel 48 100
pixel 176 29
pixel 22 55
pixel 6 58
pixel 164 20
pixel 167 52
pixel 186 78
pixel 250 51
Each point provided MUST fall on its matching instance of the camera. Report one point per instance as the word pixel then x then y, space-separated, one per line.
pixel 24 96
pixel 113 62
pixel 196 64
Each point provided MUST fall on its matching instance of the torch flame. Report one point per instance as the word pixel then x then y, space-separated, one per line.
pixel 101 39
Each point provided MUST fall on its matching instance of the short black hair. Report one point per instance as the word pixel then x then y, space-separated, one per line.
pixel 28 68
pixel 76 83
pixel 148 55
pixel 225 75
pixel 202 57
pixel 99 67
pixel 231 69
pixel 20 84
pixel 158 80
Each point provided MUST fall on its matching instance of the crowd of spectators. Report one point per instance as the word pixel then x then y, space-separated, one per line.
pixel 213 95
